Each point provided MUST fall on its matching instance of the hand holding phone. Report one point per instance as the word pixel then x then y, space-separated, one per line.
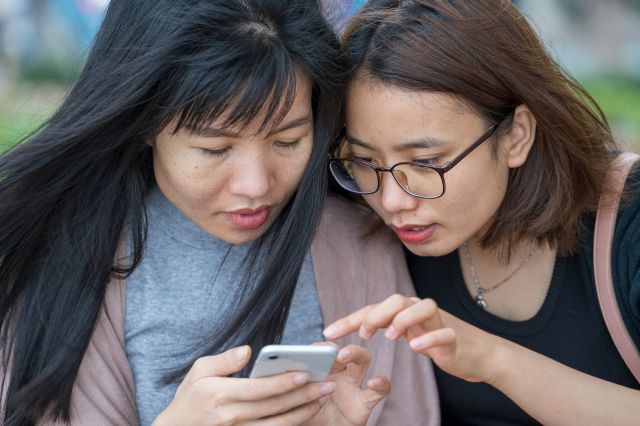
pixel 207 395
pixel 352 402
pixel 317 360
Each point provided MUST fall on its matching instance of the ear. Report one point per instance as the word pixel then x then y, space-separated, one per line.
pixel 518 141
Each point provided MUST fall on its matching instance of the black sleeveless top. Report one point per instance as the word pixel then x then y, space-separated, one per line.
pixel 568 328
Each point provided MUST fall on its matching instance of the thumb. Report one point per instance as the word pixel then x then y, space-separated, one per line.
pixel 378 388
pixel 220 365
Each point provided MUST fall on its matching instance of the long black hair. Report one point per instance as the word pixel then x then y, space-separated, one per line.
pixel 67 193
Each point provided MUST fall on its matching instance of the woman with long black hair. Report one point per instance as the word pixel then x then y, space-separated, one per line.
pixel 192 147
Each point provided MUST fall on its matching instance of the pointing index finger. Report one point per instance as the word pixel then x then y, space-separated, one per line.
pixel 348 324
pixel 384 313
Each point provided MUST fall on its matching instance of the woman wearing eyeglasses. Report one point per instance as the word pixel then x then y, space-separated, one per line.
pixel 488 162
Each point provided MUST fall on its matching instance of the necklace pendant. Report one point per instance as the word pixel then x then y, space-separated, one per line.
pixel 480 301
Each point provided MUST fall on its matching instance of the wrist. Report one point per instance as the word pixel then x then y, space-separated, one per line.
pixel 501 363
pixel 161 419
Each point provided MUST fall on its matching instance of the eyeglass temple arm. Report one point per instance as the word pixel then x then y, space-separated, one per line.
pixel 473 146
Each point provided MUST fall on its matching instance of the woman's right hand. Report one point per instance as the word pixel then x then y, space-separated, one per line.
pixel 455 346
pixel 207 397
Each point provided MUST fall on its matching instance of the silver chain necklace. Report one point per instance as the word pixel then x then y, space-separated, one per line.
pixel 480 291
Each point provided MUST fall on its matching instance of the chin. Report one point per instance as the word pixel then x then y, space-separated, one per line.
pixel 242 237
pixel 430 249
pixel 236 236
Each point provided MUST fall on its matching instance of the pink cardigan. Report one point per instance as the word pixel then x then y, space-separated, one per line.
pixel 350 272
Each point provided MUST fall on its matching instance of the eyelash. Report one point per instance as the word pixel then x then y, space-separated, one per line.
pixel 214 152
pixel 428 161
pixel 221 152
pixel 365 159
pixel 290 145
pixel 425 161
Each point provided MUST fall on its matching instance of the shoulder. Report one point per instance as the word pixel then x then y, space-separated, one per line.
pixel 340 209
pixel 104 391
pixel 627 224
pixel 626 255
pixel 352 245
pixel 628 221
pixel 358 261
pixel 343 219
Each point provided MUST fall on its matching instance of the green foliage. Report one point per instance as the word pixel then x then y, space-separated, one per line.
pixel 619 98
pixel 15 128
pixel 635 4
pixel 49 71
pixel 20 116
pixel 575 9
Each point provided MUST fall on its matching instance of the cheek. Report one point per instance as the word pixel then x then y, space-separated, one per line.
pixel 289 171
pixel 189 179
pixel 474 195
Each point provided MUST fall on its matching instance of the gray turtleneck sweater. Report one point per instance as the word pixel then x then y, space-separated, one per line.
pixel 182 289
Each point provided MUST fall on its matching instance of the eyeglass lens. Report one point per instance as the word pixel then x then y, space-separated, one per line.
pixel 362 178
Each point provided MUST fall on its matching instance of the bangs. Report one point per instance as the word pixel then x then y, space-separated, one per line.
pixel 259 85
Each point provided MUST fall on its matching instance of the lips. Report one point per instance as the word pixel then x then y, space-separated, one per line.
pixel 249 218
pixel 414 234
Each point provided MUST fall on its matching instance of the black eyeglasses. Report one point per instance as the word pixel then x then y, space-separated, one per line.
pixel 417 179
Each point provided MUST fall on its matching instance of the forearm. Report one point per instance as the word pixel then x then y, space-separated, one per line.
pixel 555 394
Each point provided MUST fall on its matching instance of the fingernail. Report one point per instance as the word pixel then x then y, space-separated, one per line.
pixel 343 354
pixel 417 344
pixel 363 332
pixel 375 382
pixel 300 378
pixel 327 388
pixel 330 331
pixel 391 333
pixel 240 353
pixel 323 400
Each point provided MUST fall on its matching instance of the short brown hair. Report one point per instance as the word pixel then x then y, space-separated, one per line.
pixel 487 54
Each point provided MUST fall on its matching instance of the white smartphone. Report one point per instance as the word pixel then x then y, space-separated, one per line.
pixel 317 360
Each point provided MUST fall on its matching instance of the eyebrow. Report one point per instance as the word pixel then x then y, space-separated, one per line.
pixel 426 142
pixel 214 132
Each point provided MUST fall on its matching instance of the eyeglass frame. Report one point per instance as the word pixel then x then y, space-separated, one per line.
pixel 441 170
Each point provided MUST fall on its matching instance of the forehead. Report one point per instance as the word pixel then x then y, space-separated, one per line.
pixel 265 121
pixel 376 111
pixel 264 118
pixel 370 97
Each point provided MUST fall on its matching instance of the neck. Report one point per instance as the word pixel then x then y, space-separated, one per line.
pixel 497 259
pixel 528 272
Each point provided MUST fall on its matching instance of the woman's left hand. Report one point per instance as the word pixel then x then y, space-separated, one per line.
pixel 350 404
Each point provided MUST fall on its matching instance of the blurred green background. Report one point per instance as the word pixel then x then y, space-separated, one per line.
pixel 31 102
pixel 42 43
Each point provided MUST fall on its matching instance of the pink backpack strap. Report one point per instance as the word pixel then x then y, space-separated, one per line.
pixel 603 237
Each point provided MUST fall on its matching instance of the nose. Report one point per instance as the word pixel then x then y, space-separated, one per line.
pixel 394 198
pixel 250 177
